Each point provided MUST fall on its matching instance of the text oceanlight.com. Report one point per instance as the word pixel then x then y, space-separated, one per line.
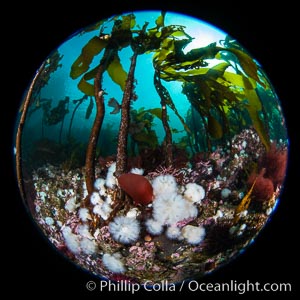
pixel 193 286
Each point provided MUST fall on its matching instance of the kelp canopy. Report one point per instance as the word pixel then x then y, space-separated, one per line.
pixel 221 82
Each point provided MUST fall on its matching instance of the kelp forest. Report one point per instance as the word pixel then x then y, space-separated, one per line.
pixel 144 156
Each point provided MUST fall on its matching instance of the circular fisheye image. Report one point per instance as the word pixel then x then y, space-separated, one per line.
pixel 150 147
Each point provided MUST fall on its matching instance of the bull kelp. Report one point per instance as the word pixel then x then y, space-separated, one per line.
pixel 150 147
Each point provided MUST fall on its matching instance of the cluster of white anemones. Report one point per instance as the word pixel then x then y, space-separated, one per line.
pixel 79 242
pixel 170 207
pixel 100 199
pixel 82 240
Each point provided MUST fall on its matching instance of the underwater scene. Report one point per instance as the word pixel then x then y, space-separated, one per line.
pixel 150 147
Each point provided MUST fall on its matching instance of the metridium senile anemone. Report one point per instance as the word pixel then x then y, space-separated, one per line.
pixel 124 229
pixel 170 208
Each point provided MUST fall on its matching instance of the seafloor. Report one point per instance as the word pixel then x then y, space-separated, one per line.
pixel 202 228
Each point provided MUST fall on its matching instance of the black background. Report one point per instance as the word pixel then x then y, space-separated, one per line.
pixel 31 32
